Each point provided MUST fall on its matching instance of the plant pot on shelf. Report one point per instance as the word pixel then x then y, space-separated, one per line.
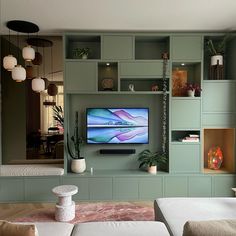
pixel 85 56
pixel 216 60
pixel 191 93
pixel 152 169
pixel 78 165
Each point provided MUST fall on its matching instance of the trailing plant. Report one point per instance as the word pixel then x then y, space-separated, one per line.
pixel 148 158
pixel 75 142
pixel 58 115
pixel 80 52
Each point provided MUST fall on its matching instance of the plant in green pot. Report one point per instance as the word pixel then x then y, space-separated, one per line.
pixel 78 164
pixel 81 53
pixel 150 160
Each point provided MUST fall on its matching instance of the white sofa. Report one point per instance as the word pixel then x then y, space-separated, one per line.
pixel 175 212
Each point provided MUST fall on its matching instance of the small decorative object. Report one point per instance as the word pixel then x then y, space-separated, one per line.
pixel 192 89
pixel 107 84
pixel 154 87
pixel 215 158
pixel 150 160
pixel 131 87
pixel 78 164
pixel 81 53
pixel 179 79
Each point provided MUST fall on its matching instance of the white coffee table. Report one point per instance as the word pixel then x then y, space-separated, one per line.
pixel 65 207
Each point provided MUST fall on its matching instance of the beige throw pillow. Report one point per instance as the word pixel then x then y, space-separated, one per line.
pixel 12 229
pixel 210 228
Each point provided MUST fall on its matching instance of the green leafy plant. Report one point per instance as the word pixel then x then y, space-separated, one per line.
pixel 148 158
pixel 58 115
pixel 80 52
pixel 75 142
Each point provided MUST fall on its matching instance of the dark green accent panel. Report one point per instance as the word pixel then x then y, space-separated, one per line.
pixel 81 76
pixel 186 113
pixel 117 47
pixel 40 189
pixel 219 96
pixel 185 158
pixel 187 48
pixel 176 186
pixel 142 69
pixel 150 188
pixel 125 188
pixel 200 186
pixel 218 119
pixel 100 188
pixel 81 183
pixel 11 189
pixel 223 185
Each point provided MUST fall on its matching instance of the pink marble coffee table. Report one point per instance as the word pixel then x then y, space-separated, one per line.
pixel 65 207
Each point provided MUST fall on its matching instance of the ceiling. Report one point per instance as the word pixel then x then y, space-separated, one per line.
pixel 56 16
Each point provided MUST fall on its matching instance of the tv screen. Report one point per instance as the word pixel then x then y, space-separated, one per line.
pixel 117 125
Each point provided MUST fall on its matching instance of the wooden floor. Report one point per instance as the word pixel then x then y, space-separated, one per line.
pixel 11 211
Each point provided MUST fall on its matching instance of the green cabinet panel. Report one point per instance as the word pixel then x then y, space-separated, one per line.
pixel 125 188
pixel 199 186
pixel 176 186
pixel 185 158
pixel 187 47
pixel 142 69
pixel 150 188
pixel 117 47
pixel 100 188
pixel 11 189
pixel 218 119
pixel 81 183
pixel 223 185
pixel 219 96
pixel 186 113
pixel 81 76
pixel 40 188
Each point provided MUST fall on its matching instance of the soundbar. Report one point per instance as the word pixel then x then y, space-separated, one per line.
pixel 117 151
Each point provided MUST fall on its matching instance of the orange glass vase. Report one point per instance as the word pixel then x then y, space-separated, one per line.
pixel 215 158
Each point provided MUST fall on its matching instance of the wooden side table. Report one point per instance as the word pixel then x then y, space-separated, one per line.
pixel 65 207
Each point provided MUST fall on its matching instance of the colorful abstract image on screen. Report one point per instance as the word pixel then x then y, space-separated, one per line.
pixel 117 125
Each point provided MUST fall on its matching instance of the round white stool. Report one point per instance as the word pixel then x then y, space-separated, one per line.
pixel 65 207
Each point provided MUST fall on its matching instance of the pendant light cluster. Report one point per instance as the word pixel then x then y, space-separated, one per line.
pixel 10 63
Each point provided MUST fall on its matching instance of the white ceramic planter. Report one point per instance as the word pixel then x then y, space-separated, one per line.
pixel 191 93
pixel 216 58
pixel 78 165
pixel 85 56
pixel 152 169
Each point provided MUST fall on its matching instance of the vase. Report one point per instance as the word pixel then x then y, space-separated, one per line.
pixel 78 165
pixel 152 169
pixel 215 158
pixel 84 56
pixel 217 59
pixel 191 93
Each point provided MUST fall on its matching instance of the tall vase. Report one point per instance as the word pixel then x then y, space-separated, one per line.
pixel 78 165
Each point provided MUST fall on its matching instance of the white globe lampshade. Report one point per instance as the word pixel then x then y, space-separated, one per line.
pixel 38 85
pixel 18 73
pixel 9 62
pixel 28 53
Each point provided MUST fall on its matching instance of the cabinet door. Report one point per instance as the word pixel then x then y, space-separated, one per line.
pixel 187 48
pixel 117 47
pixel 176 186
pixel 81 76
pixel 186 113
pixel 125 189
pixel 223 185
pixel 142 69
pixel 199 186
pixel 185 158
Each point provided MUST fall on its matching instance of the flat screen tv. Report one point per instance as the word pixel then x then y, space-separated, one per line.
pixel 117 125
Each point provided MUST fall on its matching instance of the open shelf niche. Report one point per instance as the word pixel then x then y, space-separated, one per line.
pixel 183 73
pixel 185 136
pixel 225 139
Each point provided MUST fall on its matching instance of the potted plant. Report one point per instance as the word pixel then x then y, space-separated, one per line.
pixel 78 164
pixel 193 89
pixel 58 115
pixel 81 52
pixel 150 160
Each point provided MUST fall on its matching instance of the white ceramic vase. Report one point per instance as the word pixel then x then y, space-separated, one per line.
pixel 216 58
pixel 78 165
pixel 152 169
pixel 191 93
pixel 85 56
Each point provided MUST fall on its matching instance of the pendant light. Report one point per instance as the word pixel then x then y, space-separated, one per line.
pixel 28 53
pixel 9 62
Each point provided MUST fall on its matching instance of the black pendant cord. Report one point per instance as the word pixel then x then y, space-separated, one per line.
pixel 43 63
pixel 9 42
pixel 18 44
pixel 51 63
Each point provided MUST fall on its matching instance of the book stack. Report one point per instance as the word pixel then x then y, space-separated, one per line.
pixel 191 138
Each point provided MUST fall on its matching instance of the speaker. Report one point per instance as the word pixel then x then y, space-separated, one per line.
pixel 117 151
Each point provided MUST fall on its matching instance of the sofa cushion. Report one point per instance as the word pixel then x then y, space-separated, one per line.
pixel 210 228
pixel 14 229
pixel 120 228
